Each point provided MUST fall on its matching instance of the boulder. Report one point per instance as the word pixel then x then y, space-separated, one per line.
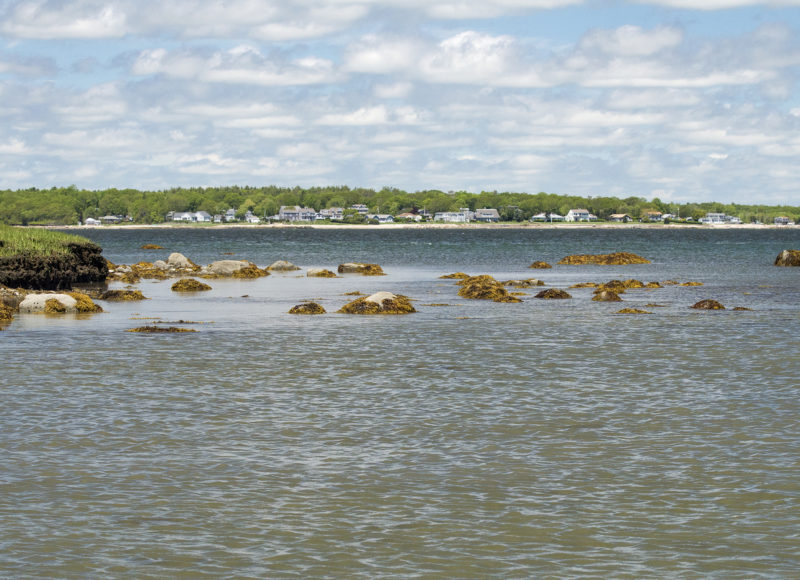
pixel 161 265
pixel 83 303
pixel 6 314
pixel 181 262
pixel 122 295
pixel 708 305
pixel 39 303
pixel 788 258
pixel 553 294
pixel 613 259
pixel 455 276
pixel 153 329
pixel 379 303
pixel 190 285
pixel 307 308
pixel 320 273
pixel 527 283
pixel 232 269
pixel 540 265
pixel 633 311
pixel 282 266
pixel 151 247
pixel 361 268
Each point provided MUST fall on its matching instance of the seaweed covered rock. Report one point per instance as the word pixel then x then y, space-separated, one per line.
pixel 6 314
pixel 282 266
pixel 553 294
pixel 484 287
pixel 320 273
pixel 79 263
pixel 633 311
pixel 540 265
pixel 617 286
pixel 360 268
pixel 11 298
pixel 708 305
pixel 190 285
pixel 84 304
pixel 455 276
pixel 153 329
pixel 653 285
pixel 613 259
pixel 379 303
pixel 151 247
pixel 606 296
pixel 788 258
pixel 692 284
pixel 122 295
pixel 527 283
pixel 48 302
pixel 307 308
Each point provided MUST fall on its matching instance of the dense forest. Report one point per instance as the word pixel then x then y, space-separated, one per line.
pixel 69 205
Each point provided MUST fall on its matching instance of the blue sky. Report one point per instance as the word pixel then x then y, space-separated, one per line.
pixel 685 101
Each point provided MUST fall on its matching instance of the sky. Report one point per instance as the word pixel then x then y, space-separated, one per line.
pixel 684 100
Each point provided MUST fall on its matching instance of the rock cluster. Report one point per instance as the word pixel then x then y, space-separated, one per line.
pixel 360 268
pixel 455 276
pixel 485 287
pixel 122 295
pixel 282 266
pixel 614 259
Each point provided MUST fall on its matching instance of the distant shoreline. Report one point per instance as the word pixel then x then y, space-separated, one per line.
pixel 425 226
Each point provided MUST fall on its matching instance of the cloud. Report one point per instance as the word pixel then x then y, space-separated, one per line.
pixel 41 19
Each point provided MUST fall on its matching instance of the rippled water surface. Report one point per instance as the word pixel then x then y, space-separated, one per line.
pixel 475 439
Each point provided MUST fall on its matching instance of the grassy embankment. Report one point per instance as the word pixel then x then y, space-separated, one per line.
pixel 40 259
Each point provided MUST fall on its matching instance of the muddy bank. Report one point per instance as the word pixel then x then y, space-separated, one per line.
pixel 83 263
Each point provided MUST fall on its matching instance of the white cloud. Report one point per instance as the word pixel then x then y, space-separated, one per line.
pixel 43 20
pixel 631 40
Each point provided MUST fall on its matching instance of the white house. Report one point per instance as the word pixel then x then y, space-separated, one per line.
pixel 580 215
pixel 381 218
pixel 331 213
pixel 91 222
pixel 202 216
pixel 451 217
pixel 251 218
pixel 360 208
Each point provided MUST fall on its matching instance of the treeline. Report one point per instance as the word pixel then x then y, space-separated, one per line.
pixel 69 205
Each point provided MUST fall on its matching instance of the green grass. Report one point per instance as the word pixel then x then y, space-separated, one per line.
pixel 15 241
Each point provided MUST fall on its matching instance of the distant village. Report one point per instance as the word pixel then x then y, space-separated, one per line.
pixel 359 213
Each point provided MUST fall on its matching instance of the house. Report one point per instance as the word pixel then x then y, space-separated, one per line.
pixel 580 215
pixel 230 215
pixel 409 216
pixel 451 217
pixel 360 208
pixel 487 215
pixel 251 218
pixel 332 213
pixel 91 222
pixel 110 219
pixel 779 221
pixel 381 218
pixel 620 218
pixel 715 218
pixel 202 216
pixel 295 213
pixel 652 216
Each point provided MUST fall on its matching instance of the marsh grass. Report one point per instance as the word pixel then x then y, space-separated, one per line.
pixel 14 241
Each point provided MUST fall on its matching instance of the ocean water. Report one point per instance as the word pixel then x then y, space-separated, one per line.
pixel 469 440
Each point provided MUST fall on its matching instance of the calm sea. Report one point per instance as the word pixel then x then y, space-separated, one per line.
pixel 547 439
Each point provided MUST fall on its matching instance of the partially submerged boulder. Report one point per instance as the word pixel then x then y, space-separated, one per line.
pixel 540 265
pixel 320 273
pixel 122 295
pixel 360 268
pixel 788 258
pixel 553 294
pixel 6 314
pixel 606 296
pixel 180 262
pixel 151 247
pixel 613 259
pixel 48 302
pixel 153 329
pixel 282 266
pixel 307 308
pixel 232 269
pixel 633 311
pixel 708 305
pixel 190 285
pixel 379 303
pixel 527 283
pixel 83 303
pixel 485 287
pixel 455 276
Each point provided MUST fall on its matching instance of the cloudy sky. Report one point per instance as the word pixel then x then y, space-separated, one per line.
pixel 685 100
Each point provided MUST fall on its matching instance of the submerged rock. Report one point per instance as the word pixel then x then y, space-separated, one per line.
pixel 614 259
pixel 379 303
pixel 455 276
pixel 153 329
pixel 282 266
pixel 742 309
pixel 151 247
pixel 788 258
pixel 692 284
pixel 528 283
pixel 6 314
pixel 190 285
pixel 633 311
pixel 83 303
pixel 307 308
pixel 122 295
pixel 553 294
pixel 320 273
pixel 540 265
pixel 485 287
pixel 708 305
pixel 360 268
